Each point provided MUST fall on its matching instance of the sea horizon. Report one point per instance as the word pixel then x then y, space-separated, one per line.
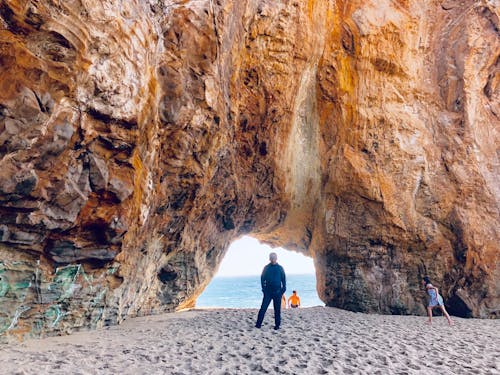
pixel 250 275
pixel 244 291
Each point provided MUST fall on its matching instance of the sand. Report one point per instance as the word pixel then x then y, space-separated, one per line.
pixel 316 340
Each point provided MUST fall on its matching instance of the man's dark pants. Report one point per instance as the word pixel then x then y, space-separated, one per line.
pixel 276 298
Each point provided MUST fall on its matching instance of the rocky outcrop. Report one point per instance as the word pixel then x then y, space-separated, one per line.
pixel 139 138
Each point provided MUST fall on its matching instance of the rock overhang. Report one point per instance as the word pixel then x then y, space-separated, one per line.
pixel 138 139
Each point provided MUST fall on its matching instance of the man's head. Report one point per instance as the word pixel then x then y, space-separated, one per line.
pixel 294 292
pixel 273 258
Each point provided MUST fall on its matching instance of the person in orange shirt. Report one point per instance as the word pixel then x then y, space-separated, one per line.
pixel 294 300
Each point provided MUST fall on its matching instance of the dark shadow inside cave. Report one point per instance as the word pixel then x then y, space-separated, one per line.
pixel 457 307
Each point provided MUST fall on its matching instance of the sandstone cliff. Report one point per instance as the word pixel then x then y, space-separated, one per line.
pixel 139 138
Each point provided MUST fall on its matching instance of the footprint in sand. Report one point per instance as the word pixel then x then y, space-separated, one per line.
pixel 348 370
pixel 327 362
pixel 246 355
pixel 413 366
pixel 258 368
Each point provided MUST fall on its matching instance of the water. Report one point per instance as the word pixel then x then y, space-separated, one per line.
pixel 245 291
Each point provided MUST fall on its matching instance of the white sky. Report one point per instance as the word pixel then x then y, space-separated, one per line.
pixel 247 256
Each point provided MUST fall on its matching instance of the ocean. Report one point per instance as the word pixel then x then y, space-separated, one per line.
pixel 245 291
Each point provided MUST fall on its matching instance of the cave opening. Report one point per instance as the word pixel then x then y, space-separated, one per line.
pixel 237 282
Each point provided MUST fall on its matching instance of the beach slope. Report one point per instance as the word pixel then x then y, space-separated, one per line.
pixel 317 340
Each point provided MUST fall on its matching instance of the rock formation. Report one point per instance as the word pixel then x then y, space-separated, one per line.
pixel 139 138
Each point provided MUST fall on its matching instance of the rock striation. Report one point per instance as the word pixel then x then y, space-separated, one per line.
pixel 139 138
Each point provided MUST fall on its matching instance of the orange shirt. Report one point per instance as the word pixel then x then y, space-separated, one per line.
pixel 294 300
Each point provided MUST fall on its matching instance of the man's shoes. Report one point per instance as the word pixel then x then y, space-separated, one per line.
pixel 257 326
pixel 276 328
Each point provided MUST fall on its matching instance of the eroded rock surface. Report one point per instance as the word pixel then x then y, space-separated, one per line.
pixel 139 138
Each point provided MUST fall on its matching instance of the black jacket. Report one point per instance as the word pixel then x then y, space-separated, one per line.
pixel 273 279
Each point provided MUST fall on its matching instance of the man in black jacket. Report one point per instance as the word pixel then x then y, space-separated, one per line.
pixel 273 281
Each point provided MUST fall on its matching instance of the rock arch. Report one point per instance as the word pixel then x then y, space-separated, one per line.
pixel 138 139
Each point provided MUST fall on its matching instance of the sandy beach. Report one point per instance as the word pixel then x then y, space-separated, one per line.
pixel 316 340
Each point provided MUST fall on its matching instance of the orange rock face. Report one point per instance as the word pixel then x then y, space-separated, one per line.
pixel 139 138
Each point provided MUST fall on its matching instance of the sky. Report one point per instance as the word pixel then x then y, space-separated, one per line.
pixel 247 256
